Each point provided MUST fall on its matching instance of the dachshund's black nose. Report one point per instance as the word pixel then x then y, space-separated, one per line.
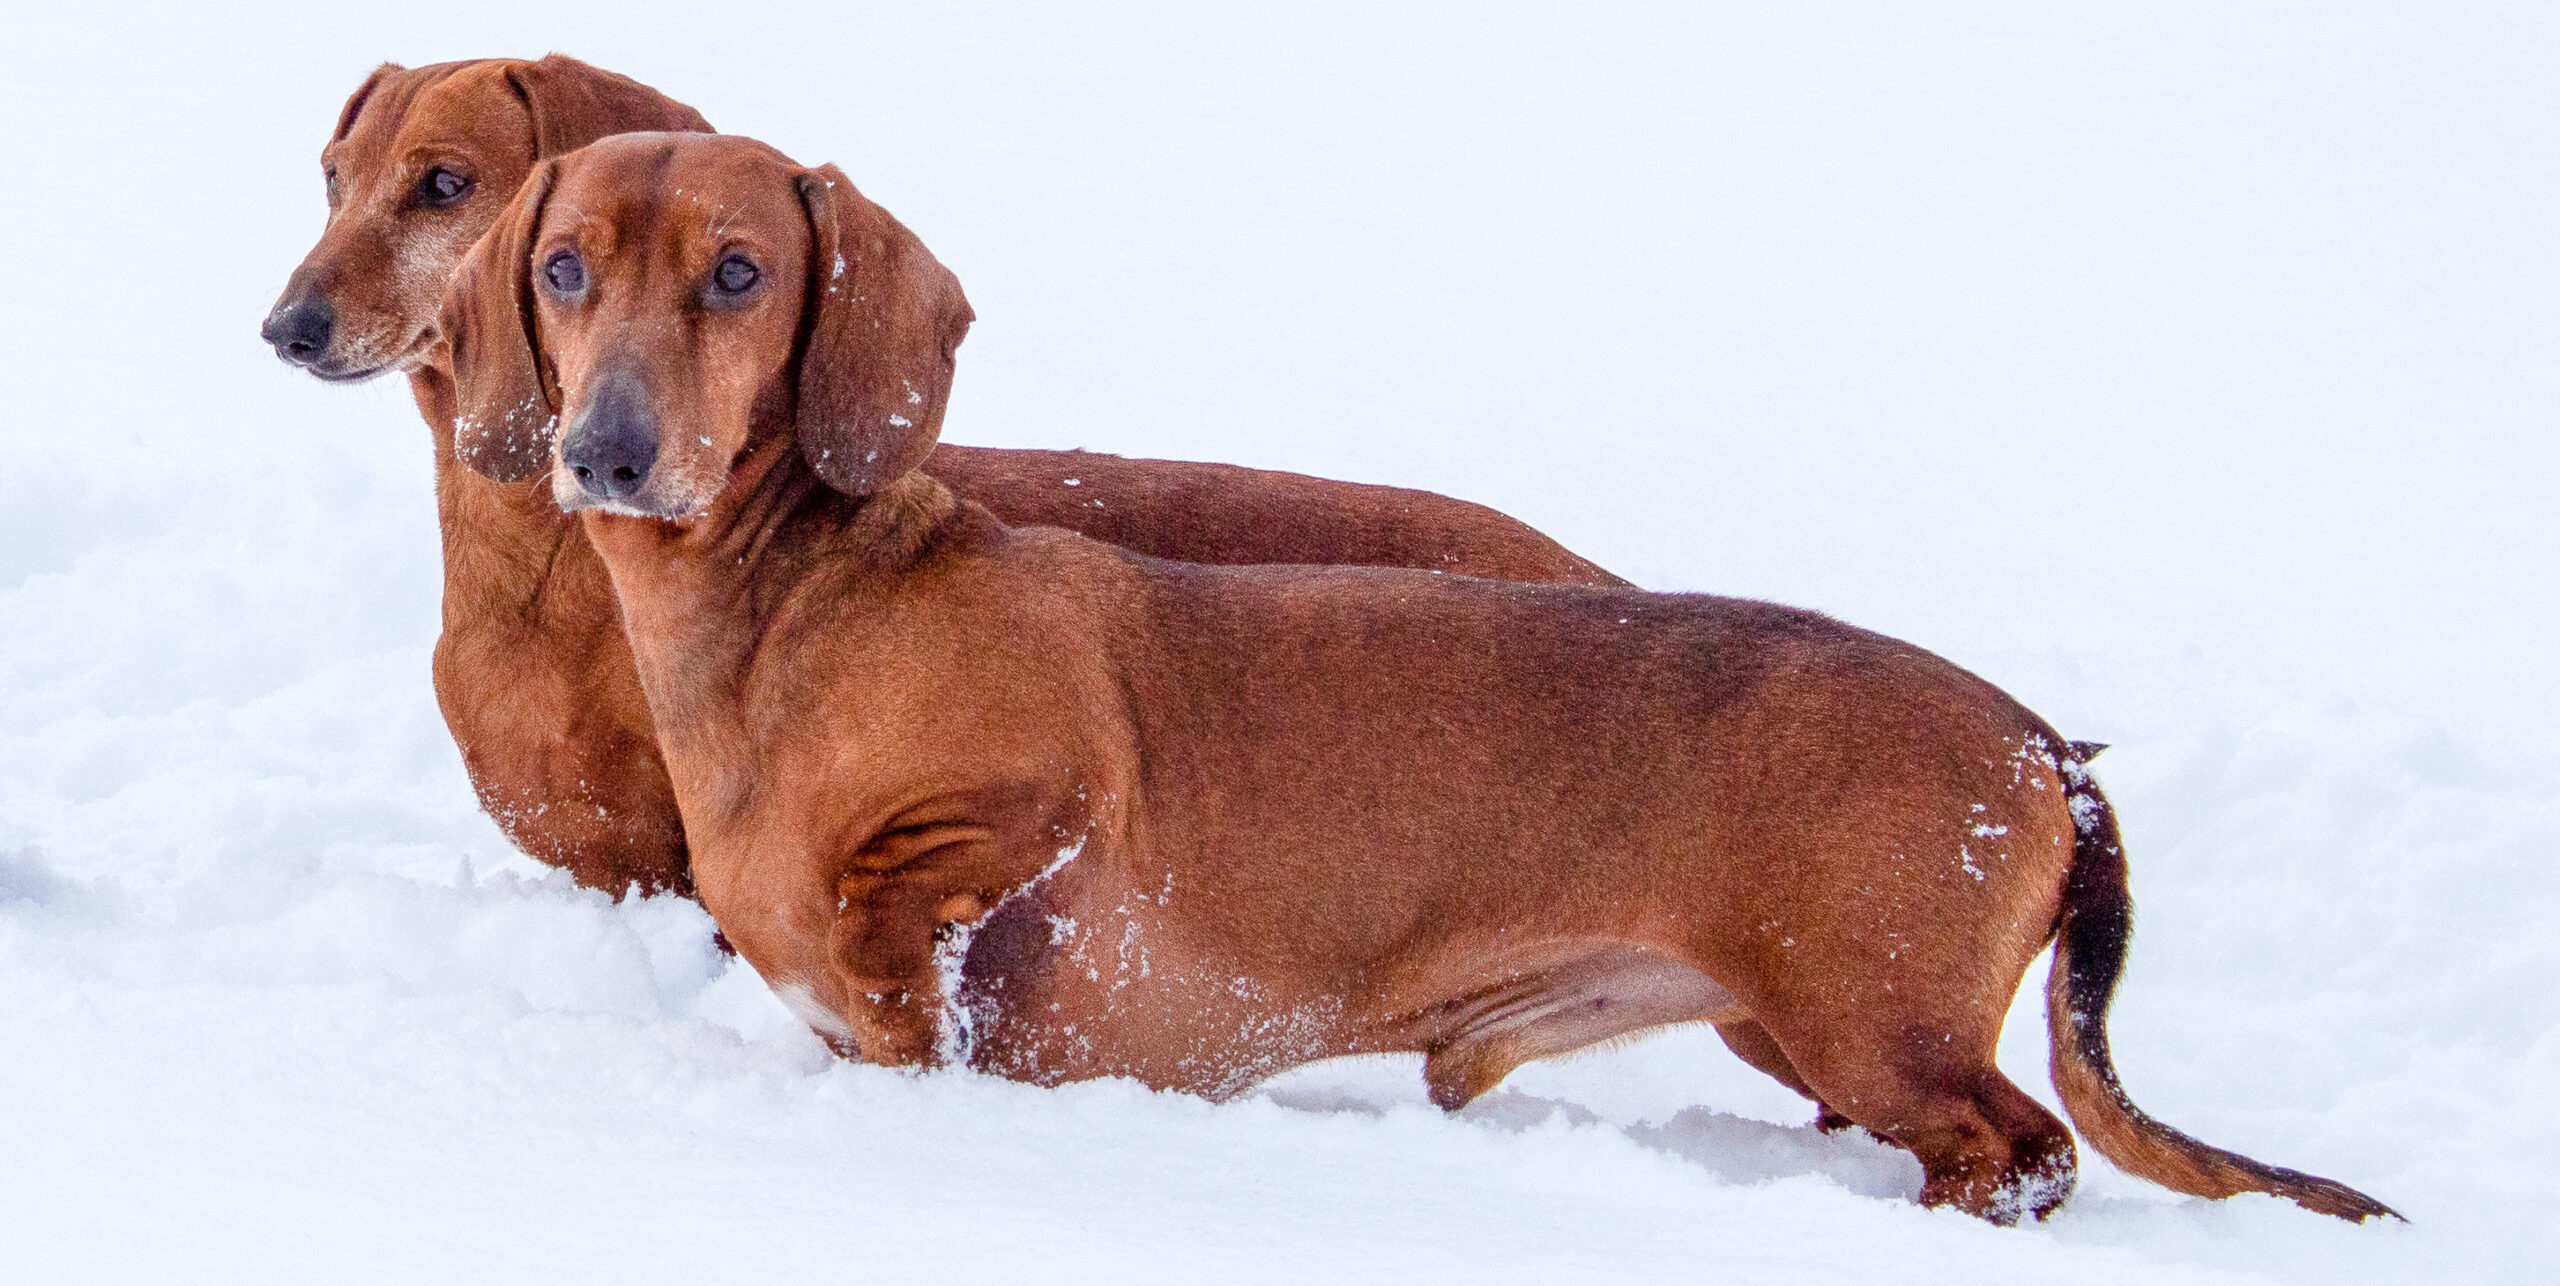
pixel 300 329
pixel 615 442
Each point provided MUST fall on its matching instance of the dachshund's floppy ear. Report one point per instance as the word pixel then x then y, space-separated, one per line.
pixel 573 104
pixel 355 101
pixel 882 322
pixel 504 407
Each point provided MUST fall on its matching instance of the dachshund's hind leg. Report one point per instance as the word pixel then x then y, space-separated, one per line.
pixel 1753 1044
pixel 1987 1148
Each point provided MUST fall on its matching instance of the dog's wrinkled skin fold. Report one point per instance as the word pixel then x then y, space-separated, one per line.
pixel 531 670
pixel 968 791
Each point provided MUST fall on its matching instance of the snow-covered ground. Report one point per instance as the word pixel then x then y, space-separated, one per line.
pixel 2189 370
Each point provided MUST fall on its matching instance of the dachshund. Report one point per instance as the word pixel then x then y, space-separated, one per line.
pixel 531 671
pixel 965 792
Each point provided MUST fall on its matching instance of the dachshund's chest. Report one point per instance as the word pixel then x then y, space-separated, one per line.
pixel 558 745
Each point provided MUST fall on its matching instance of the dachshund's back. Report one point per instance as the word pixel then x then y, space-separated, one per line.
pixel 1201 512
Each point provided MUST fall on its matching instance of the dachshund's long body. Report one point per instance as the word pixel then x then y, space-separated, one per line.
pixel 965 790
pixel 1233 819
pixel 531 670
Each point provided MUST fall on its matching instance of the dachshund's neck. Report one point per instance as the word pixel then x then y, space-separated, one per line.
pixel 699 597
pixel 776 522
pixel 511 557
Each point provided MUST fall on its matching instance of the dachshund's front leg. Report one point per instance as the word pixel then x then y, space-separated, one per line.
pixel 889 934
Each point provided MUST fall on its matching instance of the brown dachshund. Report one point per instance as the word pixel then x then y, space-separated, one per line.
pixel 966 791
pixel 532 672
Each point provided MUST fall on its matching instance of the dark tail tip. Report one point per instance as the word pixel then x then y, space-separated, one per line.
pixel 2095 929
pixel 2328 1197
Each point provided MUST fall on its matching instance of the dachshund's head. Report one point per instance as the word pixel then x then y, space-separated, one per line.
pixel 659 298
pixel 421 163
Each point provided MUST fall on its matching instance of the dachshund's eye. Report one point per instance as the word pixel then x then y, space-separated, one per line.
pixel 566 273
pixel 329 182
pixel 440 186
pixel 734 276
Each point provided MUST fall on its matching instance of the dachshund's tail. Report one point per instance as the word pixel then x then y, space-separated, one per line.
pixel 2088 956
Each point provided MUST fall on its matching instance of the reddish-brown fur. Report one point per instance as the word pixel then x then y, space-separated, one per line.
pixel 531 671
pixel 962 790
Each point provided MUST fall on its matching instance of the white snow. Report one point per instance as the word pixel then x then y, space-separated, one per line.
pixel 2185 369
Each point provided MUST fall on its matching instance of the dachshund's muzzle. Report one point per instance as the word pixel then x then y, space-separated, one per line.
pixel 612 446
pixel 299 328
